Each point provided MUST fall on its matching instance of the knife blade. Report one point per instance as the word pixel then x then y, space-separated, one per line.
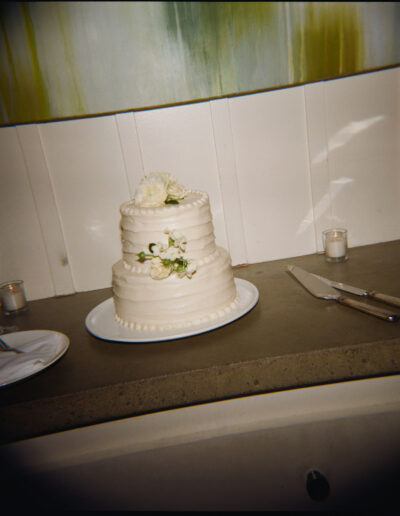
pixel 322 290
pixel 373 294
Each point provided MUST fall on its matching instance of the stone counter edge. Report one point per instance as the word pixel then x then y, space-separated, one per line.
pixel 193 387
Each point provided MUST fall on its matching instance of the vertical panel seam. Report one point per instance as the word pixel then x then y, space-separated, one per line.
pixel 307 135
pixel 121 146
pixel 236 179
pixel 28 176
pixel 53 190
pixel 218 169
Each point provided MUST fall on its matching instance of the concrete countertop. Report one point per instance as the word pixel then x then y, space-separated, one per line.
pixel 290 339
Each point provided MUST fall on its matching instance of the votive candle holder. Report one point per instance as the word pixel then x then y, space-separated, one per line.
pixel 12 296
pixel 335 245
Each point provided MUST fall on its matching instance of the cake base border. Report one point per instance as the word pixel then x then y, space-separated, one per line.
pixel 101 322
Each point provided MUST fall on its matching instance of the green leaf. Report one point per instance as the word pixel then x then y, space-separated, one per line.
pixel 142 256
pixel 166 262
pixel 171 242
pixel 171 201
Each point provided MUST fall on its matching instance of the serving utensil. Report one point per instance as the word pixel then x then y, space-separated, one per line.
pixel 372 294
pixel 319 288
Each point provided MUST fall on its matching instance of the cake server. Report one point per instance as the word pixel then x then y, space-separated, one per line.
pixel 322 290
pixel 372 294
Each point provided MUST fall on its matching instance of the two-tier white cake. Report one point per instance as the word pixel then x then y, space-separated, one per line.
pixel 172 274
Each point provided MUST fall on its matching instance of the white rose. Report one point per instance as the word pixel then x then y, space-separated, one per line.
pixel 159 271
pixel 175 235
pixel 172 253
pixel 175 190
pixel 179 240
pixel 151 193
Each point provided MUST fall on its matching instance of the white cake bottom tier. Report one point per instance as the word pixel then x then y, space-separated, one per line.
pixel 144 303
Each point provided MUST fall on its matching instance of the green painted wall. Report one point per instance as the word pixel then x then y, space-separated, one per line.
pixel 70 59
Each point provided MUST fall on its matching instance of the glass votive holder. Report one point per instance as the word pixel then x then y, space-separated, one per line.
pixel 12 296
pixel 335 245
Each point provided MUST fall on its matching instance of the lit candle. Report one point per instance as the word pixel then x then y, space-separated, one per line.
pixel 335 245
pixel 12 296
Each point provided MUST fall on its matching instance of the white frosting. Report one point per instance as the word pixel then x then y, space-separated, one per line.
pixel 191 217
pixel 142 302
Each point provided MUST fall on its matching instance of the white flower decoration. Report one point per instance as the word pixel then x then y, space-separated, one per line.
pixel 179 239
pixel 172 253
pixel 152 192
pixel 175 191
pixel 158 270
pixel 166 260
pixel 159 188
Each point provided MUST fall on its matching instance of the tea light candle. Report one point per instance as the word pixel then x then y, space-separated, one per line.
pixel 12 296
pixel 335 245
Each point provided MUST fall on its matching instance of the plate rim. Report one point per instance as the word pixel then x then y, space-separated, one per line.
pixel 180 332
pixel 65 342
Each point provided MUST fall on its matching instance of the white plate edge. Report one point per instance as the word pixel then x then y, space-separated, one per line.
pixel 231 317
pixel 56 357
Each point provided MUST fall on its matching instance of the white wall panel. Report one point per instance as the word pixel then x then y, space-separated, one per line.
pixel 130 148
pixel 90 183
pixel 226 160
pixel 22 251
pixel 364 166
pixel 318 158
pixel 270 139
pixel 180 140
pixel 49 220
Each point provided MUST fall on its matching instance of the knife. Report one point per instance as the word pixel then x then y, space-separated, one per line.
pixel 322 290
pixel 373 294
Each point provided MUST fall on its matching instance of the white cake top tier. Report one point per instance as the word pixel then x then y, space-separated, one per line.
pixel 191 218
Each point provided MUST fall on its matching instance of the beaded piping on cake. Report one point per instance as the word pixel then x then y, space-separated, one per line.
pixel 129 209
pixel 212 316
pixel 144 268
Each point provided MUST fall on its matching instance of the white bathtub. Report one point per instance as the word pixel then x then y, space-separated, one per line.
pixel 251 453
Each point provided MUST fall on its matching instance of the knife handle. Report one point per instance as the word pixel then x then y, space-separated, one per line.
pixel 369 309
pixel 390 300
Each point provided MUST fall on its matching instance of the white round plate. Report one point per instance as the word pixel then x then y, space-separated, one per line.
pixel 41 349
pixel 101 322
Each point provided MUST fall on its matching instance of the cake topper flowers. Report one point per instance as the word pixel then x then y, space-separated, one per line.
pixel 166 260
pixel 159 188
